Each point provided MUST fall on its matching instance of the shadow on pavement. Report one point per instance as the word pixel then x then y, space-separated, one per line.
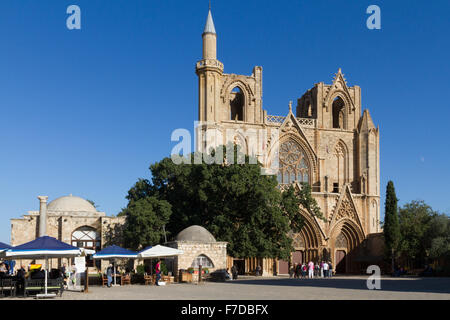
pixel 431 285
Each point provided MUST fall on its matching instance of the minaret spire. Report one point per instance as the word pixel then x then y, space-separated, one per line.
pixel 209 27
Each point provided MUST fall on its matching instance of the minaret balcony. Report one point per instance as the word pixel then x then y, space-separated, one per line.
pixel 209 63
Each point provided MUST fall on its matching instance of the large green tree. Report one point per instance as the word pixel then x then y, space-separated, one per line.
pixel 440 243
pixel 391 227
pixel 145 222
pixel 415 221
pixel 233 201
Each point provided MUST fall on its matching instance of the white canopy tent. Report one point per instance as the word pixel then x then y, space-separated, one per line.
pixel 158 251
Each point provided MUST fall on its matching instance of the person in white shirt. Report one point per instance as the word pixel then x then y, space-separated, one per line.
pixel 325 269
pixel 311 270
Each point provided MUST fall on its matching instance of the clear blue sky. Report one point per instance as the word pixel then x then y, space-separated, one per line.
pixel 87 111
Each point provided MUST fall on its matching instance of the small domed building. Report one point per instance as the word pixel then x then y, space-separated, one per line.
pixel 200 248
pixel 70 219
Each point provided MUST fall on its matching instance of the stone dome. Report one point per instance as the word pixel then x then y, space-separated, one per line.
pixel 195 233
pixel 70 204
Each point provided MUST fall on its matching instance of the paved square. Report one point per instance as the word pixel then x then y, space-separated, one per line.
pixel 251 288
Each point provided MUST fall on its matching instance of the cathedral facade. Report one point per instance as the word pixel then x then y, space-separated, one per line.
pixel 327 141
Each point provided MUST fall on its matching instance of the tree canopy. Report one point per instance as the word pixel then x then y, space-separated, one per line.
pixel 233 201
pixel 425 234
pixel 145 221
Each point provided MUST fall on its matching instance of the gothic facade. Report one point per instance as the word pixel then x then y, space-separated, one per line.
pixel 327 141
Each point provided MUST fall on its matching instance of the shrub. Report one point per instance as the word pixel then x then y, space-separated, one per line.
pixel 140 269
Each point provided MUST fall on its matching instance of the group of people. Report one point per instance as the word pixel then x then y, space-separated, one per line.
pixel 324 269
pixel 6 268
pixel 110 273
pixel 33 272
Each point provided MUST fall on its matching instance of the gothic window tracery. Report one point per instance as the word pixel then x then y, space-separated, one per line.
pixel 341 241
pixel 293 163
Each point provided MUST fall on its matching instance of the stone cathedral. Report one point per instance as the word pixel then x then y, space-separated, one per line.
pixel 327 141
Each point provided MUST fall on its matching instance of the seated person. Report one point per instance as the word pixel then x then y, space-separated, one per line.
pixel 55 274
pixel 3 270
pixel 38 274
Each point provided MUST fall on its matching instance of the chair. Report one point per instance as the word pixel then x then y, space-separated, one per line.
pixel 125 279
pixel 104 280
pixel 148 279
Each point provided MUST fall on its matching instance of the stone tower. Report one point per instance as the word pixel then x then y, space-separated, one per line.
pixel 226 97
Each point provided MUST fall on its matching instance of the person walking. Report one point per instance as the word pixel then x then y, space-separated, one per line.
pixel 316 270
pixel 158 272
pixel 298 271
pixel 321 269
pixel 291 272
pixel 234 272
pixel 109 272
pixel 311 270
pixel 258 271
pixel 304 269
pixel 330 269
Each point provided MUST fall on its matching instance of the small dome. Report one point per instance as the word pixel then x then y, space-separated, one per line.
pixel 70 204
pixel 195 233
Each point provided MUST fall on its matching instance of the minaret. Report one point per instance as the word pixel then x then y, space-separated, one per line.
pixel 209 71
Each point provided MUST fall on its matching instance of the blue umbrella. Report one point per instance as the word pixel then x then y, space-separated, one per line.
pixel 4 246
pixel 114 252
pixel 41 248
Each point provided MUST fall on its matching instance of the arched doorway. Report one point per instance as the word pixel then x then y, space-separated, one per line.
pixel 306 242
pixel 88 238
pixel 346 246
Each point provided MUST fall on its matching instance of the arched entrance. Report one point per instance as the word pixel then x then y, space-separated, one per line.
pixel 306 243
pixel 346 246
pixel 88 238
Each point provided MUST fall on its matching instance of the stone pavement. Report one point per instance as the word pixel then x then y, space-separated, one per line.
pixel 275 288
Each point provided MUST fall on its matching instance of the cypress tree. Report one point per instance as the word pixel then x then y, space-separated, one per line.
pixel 391 227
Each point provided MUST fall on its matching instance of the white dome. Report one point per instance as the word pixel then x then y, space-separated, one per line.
pixel 70 204
pixel 195 233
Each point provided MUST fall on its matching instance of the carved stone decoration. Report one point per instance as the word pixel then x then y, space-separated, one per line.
pixel 339 151
pixel 298 241
pixel 346 210
pixel 289 127
pixel 341 241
